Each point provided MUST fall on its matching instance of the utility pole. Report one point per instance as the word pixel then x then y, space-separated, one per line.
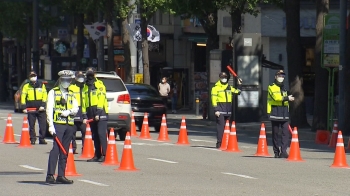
pixel 342 66
pixel 132 43
pixel 35 65
pixel 101 60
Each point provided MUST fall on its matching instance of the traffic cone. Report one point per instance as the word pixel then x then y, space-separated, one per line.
pixel 232 141
pixel 262 143
pixel 183 139
pixel 25 138
pixel 88 148
pixel 294 153
pixel 70 167
pixel 112 153
pixel 339 156
pixel 334 136
pixel 133 125
pixel 127 160
pixel 145 128
pixel 163 133
pixel 9 137
pixel 225 136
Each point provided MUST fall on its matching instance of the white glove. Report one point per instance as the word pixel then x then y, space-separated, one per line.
pixel 52 130
pixel 217 114
pixel 97 118
pixel 65 113
pixel 84 121
pixel 41 109
pixel 239 81
pixel 25 111
pixel 290 98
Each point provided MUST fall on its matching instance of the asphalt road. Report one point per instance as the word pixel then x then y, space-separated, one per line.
pixel 169 169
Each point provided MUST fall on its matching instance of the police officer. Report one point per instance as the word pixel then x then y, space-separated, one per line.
pixel 34 96
pixel 96 105
pixel 278 111
pixel 77 87
pixel 61 109
pixel 221 97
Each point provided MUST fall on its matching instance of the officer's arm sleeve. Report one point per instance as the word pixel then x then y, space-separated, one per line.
pixel 101 99
pixel 275 95
pixel 75 108
pixel 236 91
pixel 214 96
pixel 24 95
pixel 83 106
pixel 44 99
pixel 50 104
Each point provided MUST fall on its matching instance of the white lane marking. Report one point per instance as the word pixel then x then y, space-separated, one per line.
pixel 208 148
pixel 166 161
pixel 17 135
pixel 195 140
pixel 94 183
pixel 239 175
pixel 30 167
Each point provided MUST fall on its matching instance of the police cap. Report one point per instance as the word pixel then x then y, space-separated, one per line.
pixel 79 74
pixel 90 70
pixel 32 73
pixel 223 75
pixel 66 74
pixel 280 72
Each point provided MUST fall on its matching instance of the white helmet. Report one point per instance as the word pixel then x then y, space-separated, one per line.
pixel 65 78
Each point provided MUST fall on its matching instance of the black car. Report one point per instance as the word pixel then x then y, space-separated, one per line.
pixel 145 98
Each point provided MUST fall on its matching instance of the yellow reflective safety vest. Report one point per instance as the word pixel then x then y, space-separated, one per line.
pixel 221 97
pixel 95 100
pixel 277 103
pixel 60 107
pixel 34 95
pixel 79 96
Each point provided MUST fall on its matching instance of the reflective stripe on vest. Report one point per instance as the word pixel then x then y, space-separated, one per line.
pixel 59 108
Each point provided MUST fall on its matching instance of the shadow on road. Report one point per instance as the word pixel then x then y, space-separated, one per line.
pixel 35 182
pixel 12 173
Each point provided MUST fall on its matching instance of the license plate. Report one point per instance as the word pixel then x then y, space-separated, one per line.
pixel 139 114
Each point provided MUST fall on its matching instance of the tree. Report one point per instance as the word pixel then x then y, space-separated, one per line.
pixel 319 121
pixel 147 10
pixel 295 62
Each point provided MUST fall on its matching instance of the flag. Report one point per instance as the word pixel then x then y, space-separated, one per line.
pixel 152 34
pixel 96 30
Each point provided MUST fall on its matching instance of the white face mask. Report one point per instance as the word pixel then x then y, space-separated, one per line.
pixel 280 79
pixel 223 80
pixel 33 79
pixel 163 81
pixel 65 84
pixel 81 80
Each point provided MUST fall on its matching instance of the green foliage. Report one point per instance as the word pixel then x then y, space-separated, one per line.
pixel 149 7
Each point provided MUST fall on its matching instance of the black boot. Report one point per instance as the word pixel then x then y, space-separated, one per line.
pixel 32 142
pixel 218 144
pixel 94 159
pixel 50 179
pixel 63 180
pixel 42 141
pixel 284 155
pixel 101 159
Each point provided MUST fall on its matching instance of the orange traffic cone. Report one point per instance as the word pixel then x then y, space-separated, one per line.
pixel 163 133
pixel 232 141
pixel 9 137
pixel 262 143
pixel 112 153
pixel 183 139
pixel 145 128
pixel 339 156
pixel 334 136
pixel 133 125
pixel 127 160
pixel 294 153
pixel 225 136
pixel 25 138
pixel 88 148
pixel 70 167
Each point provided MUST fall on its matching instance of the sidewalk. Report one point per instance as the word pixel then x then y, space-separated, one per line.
pixel 251 128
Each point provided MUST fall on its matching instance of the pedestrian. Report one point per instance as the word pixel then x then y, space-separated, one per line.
pixel 174 98
pixel 95 103
pixel 77 87
pixel 278 112
pixel 61 109
pixel 34 98
pixel 164 90
pixel 222 97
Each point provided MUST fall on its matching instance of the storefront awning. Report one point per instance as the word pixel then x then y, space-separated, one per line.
pixel 198 38
pixel 271 65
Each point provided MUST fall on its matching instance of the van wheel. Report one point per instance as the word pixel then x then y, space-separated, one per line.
pixel 122 134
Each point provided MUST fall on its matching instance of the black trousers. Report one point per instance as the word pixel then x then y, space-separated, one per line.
pixel 285 136
pixel 78 126
pixel 41 116
pixel 99 135
pixel 165 101
pixel 64 134
pixel 220 126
